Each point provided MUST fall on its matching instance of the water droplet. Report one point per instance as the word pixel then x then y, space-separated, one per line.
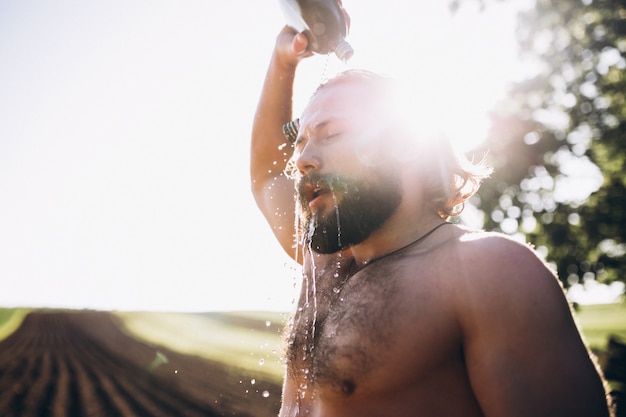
pixel 266 394
pixel 268 323
pixel 261 362
pixel 253 381
pixel 336 290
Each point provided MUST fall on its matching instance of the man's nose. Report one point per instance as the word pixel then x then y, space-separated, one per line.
pixel 308 159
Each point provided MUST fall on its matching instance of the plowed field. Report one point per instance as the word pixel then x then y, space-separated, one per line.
pixel 81 364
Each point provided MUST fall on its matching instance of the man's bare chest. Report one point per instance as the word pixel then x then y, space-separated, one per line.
pixel 349 329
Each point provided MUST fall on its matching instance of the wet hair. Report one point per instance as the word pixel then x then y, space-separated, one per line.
pixel 451 179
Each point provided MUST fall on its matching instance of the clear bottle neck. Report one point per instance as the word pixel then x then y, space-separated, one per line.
pixel 343 50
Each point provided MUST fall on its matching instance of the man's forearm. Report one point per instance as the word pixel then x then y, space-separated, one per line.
pixel 268 157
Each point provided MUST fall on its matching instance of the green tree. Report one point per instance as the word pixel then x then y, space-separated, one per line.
pixel 558 141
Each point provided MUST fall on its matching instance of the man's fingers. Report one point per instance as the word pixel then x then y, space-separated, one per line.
pixel 300 44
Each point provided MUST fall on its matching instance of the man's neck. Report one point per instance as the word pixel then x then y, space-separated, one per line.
pixel 399 231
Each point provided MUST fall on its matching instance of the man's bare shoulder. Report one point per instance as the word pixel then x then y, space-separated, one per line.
pixel 484 239
pixel 494 264
pixel 495 275
pixel 493 249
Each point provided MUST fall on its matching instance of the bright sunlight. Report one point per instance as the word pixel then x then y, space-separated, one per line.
pixel 124 138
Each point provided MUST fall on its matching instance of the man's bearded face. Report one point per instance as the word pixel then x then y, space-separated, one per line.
pixel 360 207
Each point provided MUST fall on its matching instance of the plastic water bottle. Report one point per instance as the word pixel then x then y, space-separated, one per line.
pixel 322 22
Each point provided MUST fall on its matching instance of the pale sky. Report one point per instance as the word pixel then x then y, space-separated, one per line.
pixel 124 139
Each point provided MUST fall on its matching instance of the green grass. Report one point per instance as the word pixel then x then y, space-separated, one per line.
pixel 251 340
pixel 598 322
pixel 10 320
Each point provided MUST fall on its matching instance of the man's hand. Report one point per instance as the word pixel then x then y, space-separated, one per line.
pixel 291 47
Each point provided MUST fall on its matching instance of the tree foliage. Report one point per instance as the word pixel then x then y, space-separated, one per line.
pixel 558 140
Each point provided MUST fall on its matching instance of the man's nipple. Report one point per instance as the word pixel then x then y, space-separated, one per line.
pixel 348 386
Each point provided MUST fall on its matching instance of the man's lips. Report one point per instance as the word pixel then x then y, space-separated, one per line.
pixel 314 194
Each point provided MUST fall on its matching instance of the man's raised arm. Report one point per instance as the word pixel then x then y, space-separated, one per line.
pixel 272 190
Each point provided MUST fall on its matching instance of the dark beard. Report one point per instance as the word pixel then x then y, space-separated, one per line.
pixel 363 206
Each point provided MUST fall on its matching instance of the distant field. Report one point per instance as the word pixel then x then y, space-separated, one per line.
pixel 250 340
pixel 600 321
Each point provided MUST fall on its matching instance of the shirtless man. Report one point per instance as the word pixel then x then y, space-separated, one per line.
pixel 401 313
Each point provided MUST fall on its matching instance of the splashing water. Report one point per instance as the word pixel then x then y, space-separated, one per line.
pixel 313 279
pixel 310 303
pixel 310 293
pixel 334 194
pixel 336 289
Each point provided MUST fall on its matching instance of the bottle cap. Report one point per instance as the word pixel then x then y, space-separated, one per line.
pixel 343 50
